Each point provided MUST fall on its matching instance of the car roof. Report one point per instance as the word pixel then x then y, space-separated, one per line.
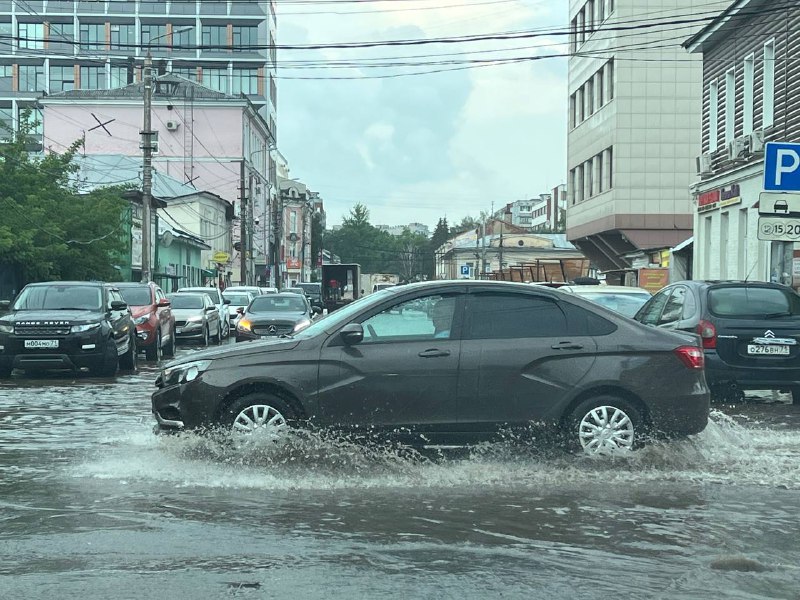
pixel 604 289
pixel 91 283
pixel 188 293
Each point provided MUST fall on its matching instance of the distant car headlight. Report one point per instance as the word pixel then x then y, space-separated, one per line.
pixel 184 373
pixel 142 319
pixel 243 325
pixel 82 328
pixel 6 327
pixel 301 325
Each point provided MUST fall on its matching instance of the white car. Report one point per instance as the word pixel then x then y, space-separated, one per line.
pixel 623 299
pixel 238 300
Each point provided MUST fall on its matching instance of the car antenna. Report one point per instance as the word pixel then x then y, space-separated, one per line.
pixel 750 272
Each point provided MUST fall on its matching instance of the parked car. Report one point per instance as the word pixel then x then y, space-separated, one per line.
pixel 510 354
pixel 152 315
pixel 274 315
pixel 236 300
pixel 252 289
pixel 219 302
pixel 313 292
pixel 268 290
pixel 196 316
pixel 68 325
pixel 749 331
pixel 623 299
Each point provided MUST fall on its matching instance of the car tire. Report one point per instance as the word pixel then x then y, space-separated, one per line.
pixel 604 425
pixel 154 352
pixel 217 339
pixel 110 363
pixel 257 411
pixel 225 330
pixel 170 349
pixel 128 360
pixel 795 395
pixel 205 335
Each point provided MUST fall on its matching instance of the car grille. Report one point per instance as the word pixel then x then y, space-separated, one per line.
pixel 179 323
pixel 44 329
pixel 279 328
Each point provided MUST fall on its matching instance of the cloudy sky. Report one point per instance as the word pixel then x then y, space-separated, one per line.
pixel 417 147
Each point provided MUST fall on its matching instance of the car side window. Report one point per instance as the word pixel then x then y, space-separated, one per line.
pixel 651 312
pixel 507 316
pixel 424 318
pixel 673 309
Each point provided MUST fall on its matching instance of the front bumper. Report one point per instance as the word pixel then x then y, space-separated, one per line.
pixel 195 331
pixel 190 405
pixel 75 351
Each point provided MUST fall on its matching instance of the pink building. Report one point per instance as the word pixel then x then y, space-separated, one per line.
pixel 210 141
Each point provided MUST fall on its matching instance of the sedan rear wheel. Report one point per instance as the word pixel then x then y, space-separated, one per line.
pixel 605 425
pixel 258 413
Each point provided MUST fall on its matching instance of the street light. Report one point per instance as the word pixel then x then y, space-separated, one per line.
pixel 147 150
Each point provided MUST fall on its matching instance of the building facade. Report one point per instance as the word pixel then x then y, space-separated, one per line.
pixel 749 83
pixel 546 212
pixel 633 117
pixel 294 218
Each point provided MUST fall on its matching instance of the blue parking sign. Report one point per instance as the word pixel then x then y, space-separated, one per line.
pixel 782 167
pixel 465 270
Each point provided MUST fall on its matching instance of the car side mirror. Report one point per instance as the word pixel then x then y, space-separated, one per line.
pixel 226 301
pixel 210 308
pixel 118 305
pixel 352 333
pixel 164 303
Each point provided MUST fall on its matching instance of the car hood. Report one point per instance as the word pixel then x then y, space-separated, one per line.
pixel 52 315
pixel 240 350
pixel 138 311
pixel 185 313
pixel 272 317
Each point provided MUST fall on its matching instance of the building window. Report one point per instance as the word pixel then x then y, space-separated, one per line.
pixel 769 85
pixel 158 33
pixel 62 38
pixel 573 35
pixel 93 78
pixel 123 37
pixel 119 77
pixel 245 81
pixel 31 78
pixel 730 105
pixel 599 159
pixel 590 96
pixel 34 118
pixel 215 37
pixel 713 116
pixel 581 26
pixel 610 166
pixel 189 73
pixel 6 123
pixel 600 88
pixel 93 36
pixel 62 79
pixel 590 17
pixel 183 39
pixel 588 174
pixel 31 35
pixel 245 39
pixel 216 79
pixel 749 64
pixel 6 78
pixel 610 79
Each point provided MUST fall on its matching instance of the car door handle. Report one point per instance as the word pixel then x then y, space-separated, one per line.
pixel 433 353
pixel 566 346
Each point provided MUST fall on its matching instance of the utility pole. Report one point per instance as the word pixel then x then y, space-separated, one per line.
pixel 243 258
pixel 147 167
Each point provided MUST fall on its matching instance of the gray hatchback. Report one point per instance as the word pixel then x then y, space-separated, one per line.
pixel 451 363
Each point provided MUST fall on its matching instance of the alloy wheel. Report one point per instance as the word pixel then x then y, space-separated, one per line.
pixel 259 417
pixel 606 430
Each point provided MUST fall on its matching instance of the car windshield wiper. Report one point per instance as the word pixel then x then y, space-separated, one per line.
pixel 777 315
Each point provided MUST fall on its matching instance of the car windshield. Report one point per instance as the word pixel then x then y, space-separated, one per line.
pixel 59 297
pixel 277 304
pixel 623 303
pixel 749 301
pixel 182 301
pixel 136 296
pixel 335 319
pixel 213 293
pixel 310 288
pixel 237 299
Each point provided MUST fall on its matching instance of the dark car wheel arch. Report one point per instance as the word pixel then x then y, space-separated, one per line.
pixel 261 387
pixel 605 390
pixel 634 413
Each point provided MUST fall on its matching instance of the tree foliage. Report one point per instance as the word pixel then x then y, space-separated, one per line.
pixel 48 230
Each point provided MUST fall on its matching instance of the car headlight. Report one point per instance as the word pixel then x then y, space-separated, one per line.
pixel 301 325
pixel 184 373
pixel 244 325
pixel 85 327
pixel 142 319
pixel 6 327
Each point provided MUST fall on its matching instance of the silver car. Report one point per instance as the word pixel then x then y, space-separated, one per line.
pixel 196 317
pixel 219 302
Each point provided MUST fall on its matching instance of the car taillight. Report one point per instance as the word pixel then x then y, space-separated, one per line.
pixel 691 356
pixel 708 333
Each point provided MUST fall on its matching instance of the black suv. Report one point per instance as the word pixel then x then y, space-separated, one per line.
pixel 68 325
pixel 750 332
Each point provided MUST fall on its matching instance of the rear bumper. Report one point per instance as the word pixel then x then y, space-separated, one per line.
pixel 681 415
pixel 720 373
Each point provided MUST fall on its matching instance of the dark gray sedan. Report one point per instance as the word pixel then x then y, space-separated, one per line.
pixel 449 363
pixel 272 315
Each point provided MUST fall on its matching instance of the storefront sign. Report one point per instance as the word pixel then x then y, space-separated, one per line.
pixel 719 198
pixel 293 263
pixel 653 279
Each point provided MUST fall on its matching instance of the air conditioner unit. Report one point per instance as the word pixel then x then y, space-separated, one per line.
pixel 704 164
pixel 172 125
pixel 737 149
pixel 756 141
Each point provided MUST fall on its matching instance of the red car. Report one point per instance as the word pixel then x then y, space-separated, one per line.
pixel 152 315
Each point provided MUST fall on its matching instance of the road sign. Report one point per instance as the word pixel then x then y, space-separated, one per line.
pixel 782 167
pixel 779 204
pixel 778 229
pixel 465 270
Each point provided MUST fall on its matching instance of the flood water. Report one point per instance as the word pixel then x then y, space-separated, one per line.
pixel 93 505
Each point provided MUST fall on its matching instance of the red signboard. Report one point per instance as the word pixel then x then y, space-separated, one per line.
pixel 708 201
pixel 292 263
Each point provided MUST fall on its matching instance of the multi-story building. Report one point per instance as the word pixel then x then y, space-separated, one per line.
pixel 543 213
pixel 634 110
pixel 294 218
pixel 749 98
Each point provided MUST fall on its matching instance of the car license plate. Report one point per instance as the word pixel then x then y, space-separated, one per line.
pixel 768 349
pixel 178 329
pixel 41 343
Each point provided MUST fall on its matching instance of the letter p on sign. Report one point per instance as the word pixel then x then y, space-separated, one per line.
pixel 782 167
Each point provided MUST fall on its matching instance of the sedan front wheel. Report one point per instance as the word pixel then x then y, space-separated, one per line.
pixel 605 425
pixel 258 413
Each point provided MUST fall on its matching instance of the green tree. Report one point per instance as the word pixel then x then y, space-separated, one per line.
pixel 466 224
pixel 440 235
pixel 357 241
pixel 48 230
pixel 411 250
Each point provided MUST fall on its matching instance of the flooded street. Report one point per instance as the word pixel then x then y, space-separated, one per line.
pixel 93 505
